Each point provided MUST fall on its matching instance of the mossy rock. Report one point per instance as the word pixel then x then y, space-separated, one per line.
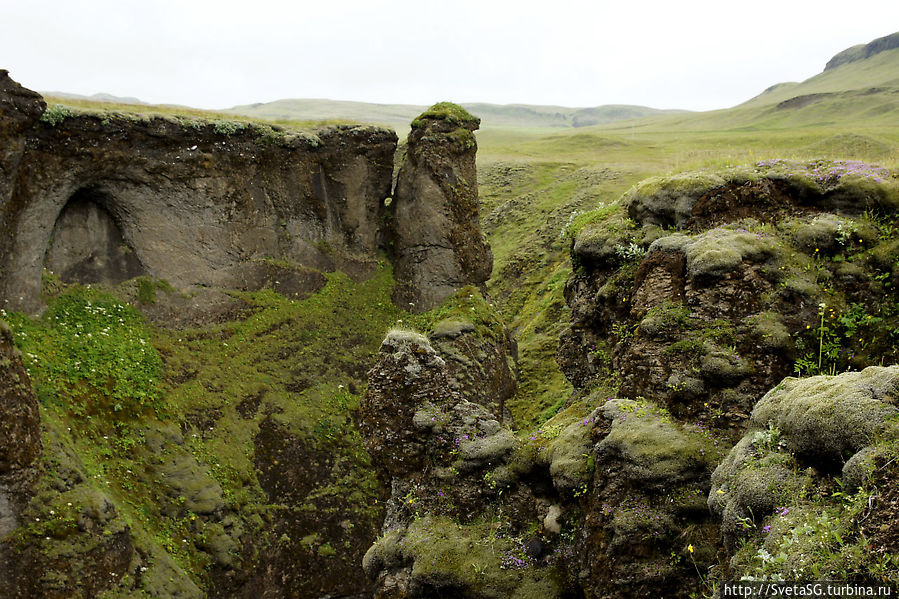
pixel 606 241
pixel 668 201
pixel 716 253
pixel 771 332
pixel 654 451
pixel 827 419
pixel 443 558
pixel 451 328
pixel 825 233
pixel 450 112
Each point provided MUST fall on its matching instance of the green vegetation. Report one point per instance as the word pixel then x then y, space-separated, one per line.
pixel 164 424
pixel 447 111
pixel 187 406
pixel 56 114
pixel 89 353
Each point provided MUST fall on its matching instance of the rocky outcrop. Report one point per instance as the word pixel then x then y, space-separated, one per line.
pixel 434 232
pixel 774 491
pixel 450 465
pixel 104 197
pixel 20 445
pixel 20 426
pixel 594 503
pixel 768 272
pixel 643 503
pixel 19 109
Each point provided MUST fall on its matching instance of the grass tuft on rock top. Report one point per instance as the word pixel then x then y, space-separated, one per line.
pixel 447 111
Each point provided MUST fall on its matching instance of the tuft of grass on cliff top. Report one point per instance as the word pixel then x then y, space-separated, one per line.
pixel 76 106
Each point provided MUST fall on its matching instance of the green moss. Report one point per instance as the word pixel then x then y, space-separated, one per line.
pixel 771 331
pixel 448 556
pixel 447 111
pixel 591 217
pixel 465 305
pixel 830 418
pixel 715 253
pixel 655 450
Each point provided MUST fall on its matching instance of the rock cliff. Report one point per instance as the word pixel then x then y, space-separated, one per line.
pixel 102 198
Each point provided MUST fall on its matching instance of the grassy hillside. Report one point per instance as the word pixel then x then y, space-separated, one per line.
pixel 878 71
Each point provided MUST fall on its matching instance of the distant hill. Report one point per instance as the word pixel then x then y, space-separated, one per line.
pixel 863 51
pixel 861 91
pixel 400 115
pixel 870 68
pixel 101 97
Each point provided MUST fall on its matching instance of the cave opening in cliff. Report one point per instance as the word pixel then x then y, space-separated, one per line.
pixel 87 245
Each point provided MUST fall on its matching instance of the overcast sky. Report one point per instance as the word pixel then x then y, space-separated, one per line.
pixel 690 54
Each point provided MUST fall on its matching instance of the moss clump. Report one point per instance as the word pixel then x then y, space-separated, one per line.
pixel 467 305
pixel 826 418
pixel 715 253
pixel 447 111
pixel 56 114
pixel 592 217
pixel 773 334
pixel 465 560
pixel 655 451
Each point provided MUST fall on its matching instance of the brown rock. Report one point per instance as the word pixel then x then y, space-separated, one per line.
pixel 435 235
pixel 104 197
pixel 20 426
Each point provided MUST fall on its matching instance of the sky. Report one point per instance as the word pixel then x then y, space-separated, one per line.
pixel 689 54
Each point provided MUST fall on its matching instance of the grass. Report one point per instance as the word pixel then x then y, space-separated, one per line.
pixel 121 399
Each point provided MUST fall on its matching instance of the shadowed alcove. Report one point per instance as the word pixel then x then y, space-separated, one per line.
pixel 87 245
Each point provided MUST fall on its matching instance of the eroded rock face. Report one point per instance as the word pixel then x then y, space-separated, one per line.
pixel 645 502
pixel 435 236
pixel 20 439
pixel 190 202
pixel 449 463
pixel 19 109
pixel 705 319
pixel 20 426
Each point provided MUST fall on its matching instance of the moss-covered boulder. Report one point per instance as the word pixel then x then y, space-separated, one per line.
pixel 796 494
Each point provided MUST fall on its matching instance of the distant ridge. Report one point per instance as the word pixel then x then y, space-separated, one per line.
pixel 100 97
pixel 492 115
pixel 863 51
pixel 864 70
